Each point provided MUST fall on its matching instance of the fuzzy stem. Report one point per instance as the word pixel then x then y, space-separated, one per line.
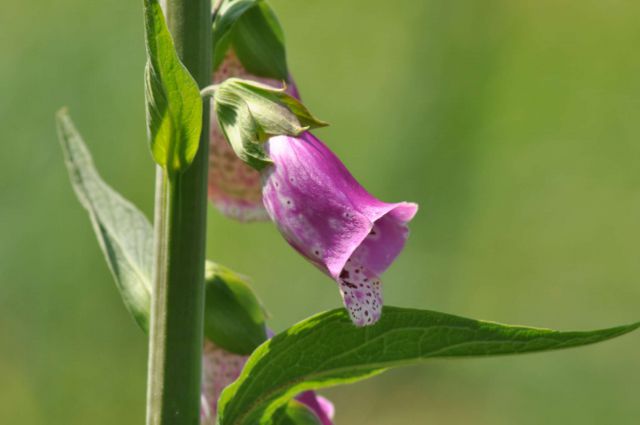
pixel 175 343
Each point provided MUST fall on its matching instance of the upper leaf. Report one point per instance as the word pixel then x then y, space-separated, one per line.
pixel 327 350
pixel 252 29
pixel 174 105
pixel 225 17
pixel 258 40
pixel 249 113
pixel 124 233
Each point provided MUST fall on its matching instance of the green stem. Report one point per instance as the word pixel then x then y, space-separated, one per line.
pixel 175 343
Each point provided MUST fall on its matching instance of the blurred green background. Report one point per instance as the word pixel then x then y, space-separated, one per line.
pixel 515 125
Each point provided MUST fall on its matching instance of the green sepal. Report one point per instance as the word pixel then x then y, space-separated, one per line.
pixel 225 17
pixel 249 113
pixel 252 29
pixel 295 413
pixel 234 318
pixel 258 41
pixel 174 105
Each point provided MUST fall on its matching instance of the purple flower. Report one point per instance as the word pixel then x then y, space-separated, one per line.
pixel 327 216
pixel 234 187
pixel 220 368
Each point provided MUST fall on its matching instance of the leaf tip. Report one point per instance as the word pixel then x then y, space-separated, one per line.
pixel 62 112
pixel 320 123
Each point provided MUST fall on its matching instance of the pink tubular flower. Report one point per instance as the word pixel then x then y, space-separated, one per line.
pixel 220 368
pixel 234 187
pixel 327 216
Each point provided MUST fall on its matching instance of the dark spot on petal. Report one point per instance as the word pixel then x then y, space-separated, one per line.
pixel 349 284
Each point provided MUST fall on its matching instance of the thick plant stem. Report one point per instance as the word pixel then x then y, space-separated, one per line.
pixel 175 344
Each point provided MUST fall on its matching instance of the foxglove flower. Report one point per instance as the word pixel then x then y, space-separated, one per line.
pixel 220 368
pixel 327 216
pixel 234 187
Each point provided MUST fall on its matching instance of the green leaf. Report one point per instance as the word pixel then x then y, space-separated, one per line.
pixel 123 232
pixel 295 413
pixel 220 51
pixel 258 41
pixel 249 113
pixel 174 105
pixel 234 318
pixel 327 350
pixel 228 14
pixel 253 30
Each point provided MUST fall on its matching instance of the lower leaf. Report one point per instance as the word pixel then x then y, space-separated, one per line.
pixel 327 350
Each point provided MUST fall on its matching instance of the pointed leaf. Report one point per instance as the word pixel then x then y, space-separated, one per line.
pixel 124 233
pixel 327 350
pixel 234 318
pixel 258 40
pixel 253 30
pixel 174 105
pixel 226 16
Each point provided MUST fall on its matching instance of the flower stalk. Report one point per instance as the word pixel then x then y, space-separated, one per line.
pixel 176 331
